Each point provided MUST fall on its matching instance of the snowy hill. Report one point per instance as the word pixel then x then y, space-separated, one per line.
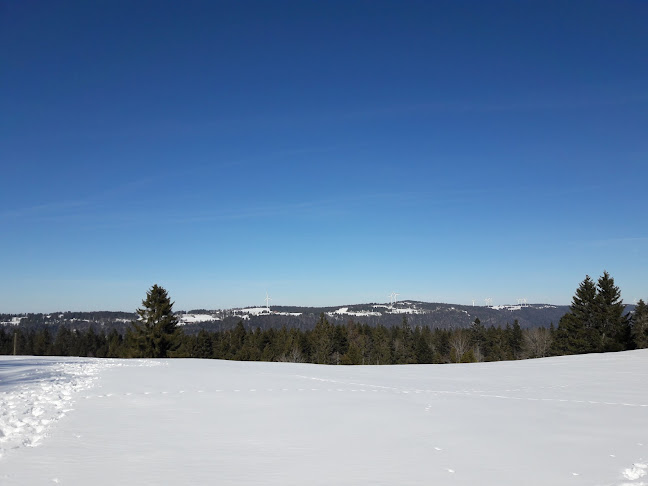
pixel 433 315
pixel 575 420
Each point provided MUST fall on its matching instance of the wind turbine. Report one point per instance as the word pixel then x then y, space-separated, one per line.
pixel 391 299
pixel 395 295
pixel 488 301
pixel 267 301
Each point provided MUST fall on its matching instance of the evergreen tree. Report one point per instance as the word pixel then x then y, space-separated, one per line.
pixel 516 340
pixel 115 341
pixel 4 341
pixel 63 342
pixel 155 333
pixel 42 342
pixel 381 350
pixel 496 345
pixel 423 350
pixel 584 305
pixel 478 338
pixel 203 347
pixel 322 341
pixel 595 322
pixel 441 344
pixel 237 340
pixel 403 343
pixel 640 325
pixel 612 324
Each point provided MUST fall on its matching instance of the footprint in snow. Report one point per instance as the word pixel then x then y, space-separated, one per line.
pixel 638 470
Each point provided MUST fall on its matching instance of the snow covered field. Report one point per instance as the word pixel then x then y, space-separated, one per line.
pixel 579 420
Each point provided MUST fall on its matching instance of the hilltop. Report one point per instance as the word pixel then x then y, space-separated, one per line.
pixel 433 315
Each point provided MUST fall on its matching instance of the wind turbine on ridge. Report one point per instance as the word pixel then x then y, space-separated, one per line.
pixel 267 301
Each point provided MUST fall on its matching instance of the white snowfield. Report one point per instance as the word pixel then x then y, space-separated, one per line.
pixel 577 420
pixel 196 318
pixel 345 311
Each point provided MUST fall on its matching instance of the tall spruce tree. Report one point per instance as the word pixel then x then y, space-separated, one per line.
pixel 584 304
pixel 322 341
pixel 640 325
pixel 155 333
pixel 577 331
pixel 611 322
pixel 596 321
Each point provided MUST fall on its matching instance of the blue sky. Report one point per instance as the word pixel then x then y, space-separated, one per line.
pixel 325 152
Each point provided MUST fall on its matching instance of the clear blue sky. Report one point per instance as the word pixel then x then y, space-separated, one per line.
pixel 325 152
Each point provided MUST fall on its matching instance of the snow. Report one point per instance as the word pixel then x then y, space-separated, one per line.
pixel 406 310
pixel 575 420
pixel 14 321
pixel 35 394
pixel 635 472
pixel 194 318
pixel 255 311
pixel 346 311
pixel 262 311
pixel 507 307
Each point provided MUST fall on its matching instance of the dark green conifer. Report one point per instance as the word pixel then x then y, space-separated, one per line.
pixel 516 340
pixel 640 325
pixel 155 333
pixel 584 305
pixel 612 324
pixel 322 341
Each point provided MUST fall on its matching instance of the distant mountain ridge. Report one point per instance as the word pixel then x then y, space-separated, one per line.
pixel 433 315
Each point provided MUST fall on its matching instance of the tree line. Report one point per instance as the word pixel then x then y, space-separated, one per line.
pixel 596 323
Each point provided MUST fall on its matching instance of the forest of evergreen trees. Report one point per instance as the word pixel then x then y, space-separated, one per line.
pixel 596 323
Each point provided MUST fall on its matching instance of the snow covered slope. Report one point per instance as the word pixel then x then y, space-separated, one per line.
pixel 579 420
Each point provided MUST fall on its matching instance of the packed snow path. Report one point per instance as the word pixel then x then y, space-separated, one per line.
pixel 579 420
